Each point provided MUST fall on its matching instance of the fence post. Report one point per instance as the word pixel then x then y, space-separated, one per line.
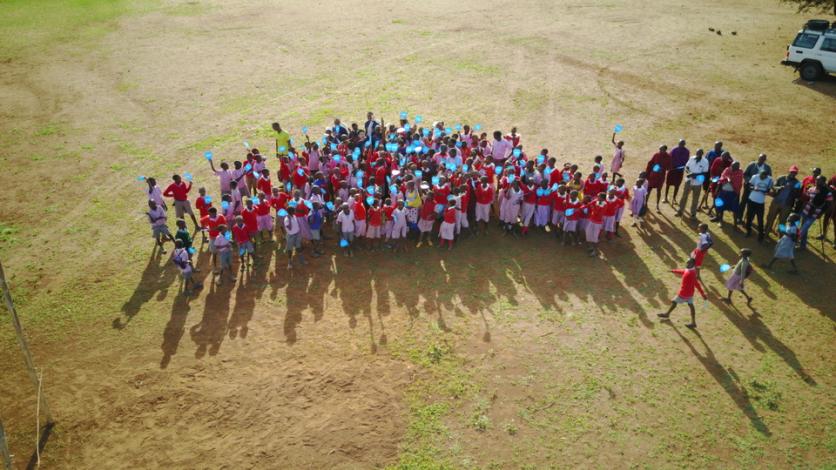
pixel 27 356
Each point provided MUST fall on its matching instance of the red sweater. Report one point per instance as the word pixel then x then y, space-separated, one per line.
pixel 689 283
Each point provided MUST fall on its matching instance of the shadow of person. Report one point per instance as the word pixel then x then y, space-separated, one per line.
pixel 725 379
pixel 242 311
pixel 758 334
pixel 175 328
pixel 156 278
pixel 210 332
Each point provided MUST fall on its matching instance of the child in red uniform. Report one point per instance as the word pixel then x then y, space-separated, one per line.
pixel 203 203
pixel 447 232
pixel 484 200
pixel 375 227
pixel 250 220
pixel 571 218
pixel 263 217
pixel 426 220
pixel 614 203
pixel 241 235
pixel 594 224
pixel 686 292
pixel 212 222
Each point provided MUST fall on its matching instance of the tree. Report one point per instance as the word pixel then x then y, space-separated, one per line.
pixel 819 6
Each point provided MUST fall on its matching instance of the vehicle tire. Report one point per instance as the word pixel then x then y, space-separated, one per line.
pixel 810 71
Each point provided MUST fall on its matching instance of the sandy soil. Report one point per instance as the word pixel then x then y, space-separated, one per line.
pixel 318 369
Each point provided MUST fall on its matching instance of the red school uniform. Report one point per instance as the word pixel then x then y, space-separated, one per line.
pixel 359 211
pixel 689 283
pixel 264 185
pixel 698 256
pixel 213 224
pixel 440 194
pixel 284 172
pixel 465 200
pixel 595 212
pixel 427 211
pixel 202 206
pixel 450 215
pixel 529 194
pixel 575 206
pixel 375 216
pixel 241 234
pixel 612 206
pixel 280 201
pixel 250 219
pixel 263 208
pixel 559 201
pixel 299 181
pixel 545 199
pixel 484 195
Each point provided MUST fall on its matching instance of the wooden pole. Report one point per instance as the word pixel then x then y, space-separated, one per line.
pixel 4 449
pixel 27 356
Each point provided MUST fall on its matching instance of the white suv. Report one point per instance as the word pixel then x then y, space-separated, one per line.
pixel 813 52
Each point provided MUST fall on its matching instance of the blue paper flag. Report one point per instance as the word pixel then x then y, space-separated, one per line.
pixel 334 147
pixel 308 204
pixel 448 131
pixel 539 192
pixel 225 205
pixel 517 152
pixel 370 200
pixel 246 145
pixel 370 189
pixel 426 150
pixel 140 178
pixel 192 250
pixel 566 177
pixel 719 202
pixel 407 127
pixel 300 172
pixel 359 174
pixel 511 178
pixel 404 114
pixel 657 168
pixel 255 200
pixel 228 235
pixel 329 205
pixel 700 179
pixel 439 207
pixel 418 119
pixel 292 204
pixel 248 167
pixel 337 158
pixel 425 132
pixel 458 127
pixel 477 127
pixel 208 199
pixel 435 180
pixel 451 198
pixel 458 144
pixel 724 268
pixel 419 174
pixel 208 154
pixel 618 128
pixel 282 149
pixel 282 213
pixel 540 159
pixel 547 171
pixel 569 212
pixel 343 243
pixel 187 176
pixel 305 130
pixel 393 189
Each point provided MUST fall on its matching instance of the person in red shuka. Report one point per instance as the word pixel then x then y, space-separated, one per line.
pixel 686 292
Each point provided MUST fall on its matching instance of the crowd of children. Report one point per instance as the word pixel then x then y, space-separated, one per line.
pixel 379 185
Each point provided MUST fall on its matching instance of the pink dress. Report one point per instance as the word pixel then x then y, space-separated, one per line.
pixel 617 160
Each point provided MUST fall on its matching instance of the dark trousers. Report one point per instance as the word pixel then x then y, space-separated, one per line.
pixel 744 200
pixel 754 209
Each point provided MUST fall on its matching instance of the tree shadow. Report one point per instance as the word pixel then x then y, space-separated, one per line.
pixel 725 379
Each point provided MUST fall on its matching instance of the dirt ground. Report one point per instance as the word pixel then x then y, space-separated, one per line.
pixel 502 354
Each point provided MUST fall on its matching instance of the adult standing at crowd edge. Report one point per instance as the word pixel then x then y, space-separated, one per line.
pixel 679 158
pixel 784 194
pixel 752 169
pixel 500 148
pixel 696 171
pixel 730 184
pixel 282 140
pixel 657 167
pixel 371 127
pixel 819 199
pixel 759 186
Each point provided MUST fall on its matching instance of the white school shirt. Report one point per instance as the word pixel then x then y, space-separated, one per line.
pixel 221 243
pixel 346 222
pixel 159 215
pixel 759 188
pixel 398 219
pixel 695 168
pixel 155 195
pixel 291 225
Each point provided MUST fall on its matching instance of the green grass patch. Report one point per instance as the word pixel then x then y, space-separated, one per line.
pixel 472 66
pixel 27 27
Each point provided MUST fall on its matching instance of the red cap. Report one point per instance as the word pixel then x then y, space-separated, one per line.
pixel 793 169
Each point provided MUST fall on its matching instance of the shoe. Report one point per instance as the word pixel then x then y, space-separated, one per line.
pixel 692 326
pixel 663 315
